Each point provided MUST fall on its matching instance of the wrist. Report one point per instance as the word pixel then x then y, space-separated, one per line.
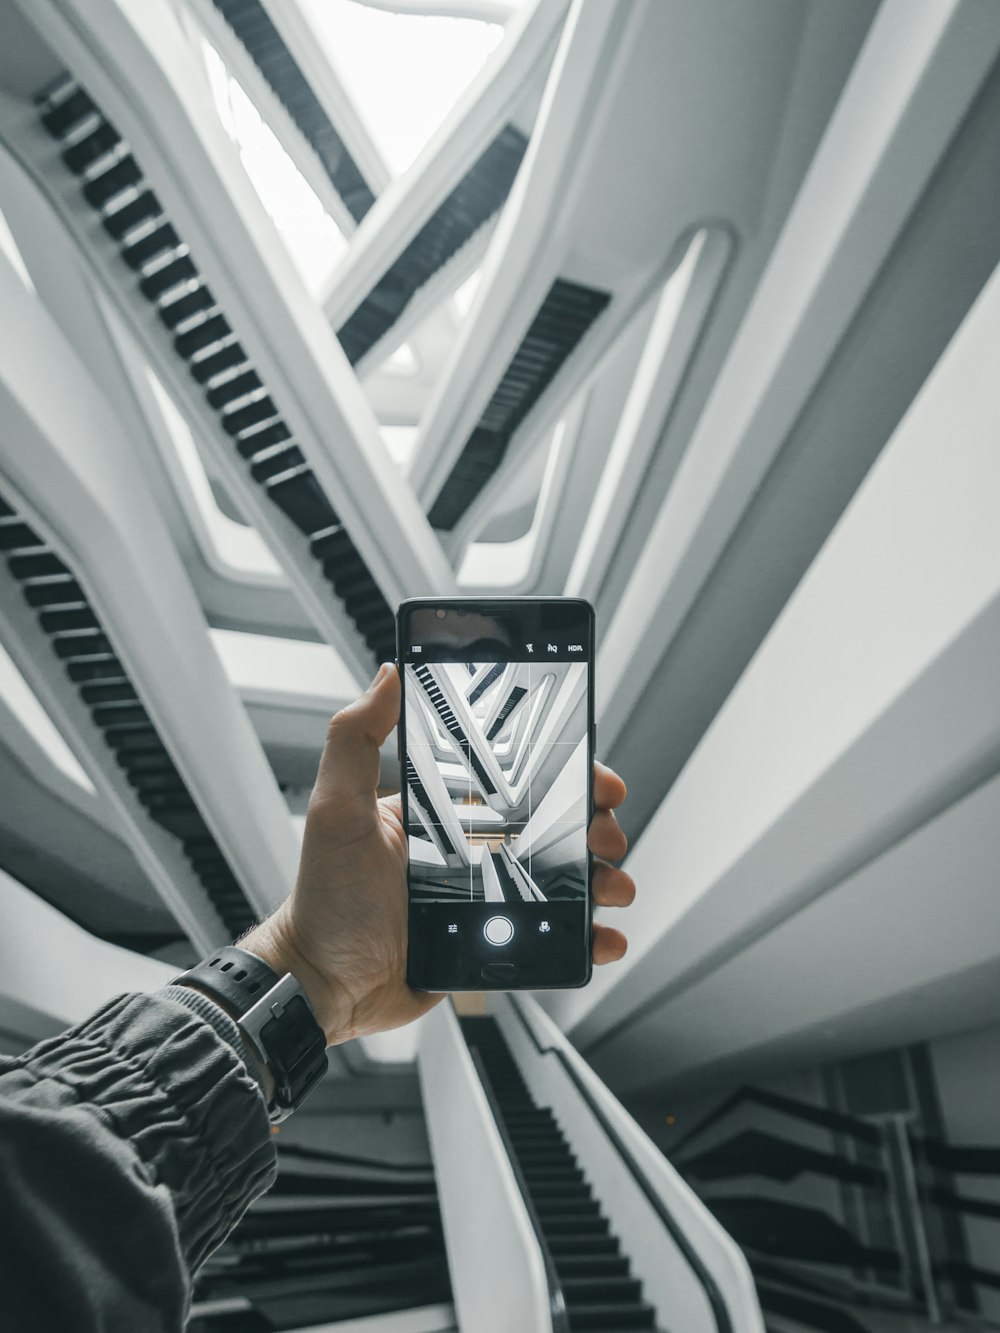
pixel 274 941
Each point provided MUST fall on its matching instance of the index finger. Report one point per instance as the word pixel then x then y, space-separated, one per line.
pixel 609 790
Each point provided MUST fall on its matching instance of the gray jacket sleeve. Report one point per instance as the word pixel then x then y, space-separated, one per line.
pixel 130 1146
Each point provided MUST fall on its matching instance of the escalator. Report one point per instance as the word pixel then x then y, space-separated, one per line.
pixel 201 336
pixel 598 1287
pixel 49 586
pixel 565 315
pixel 460 215
pixel 254 27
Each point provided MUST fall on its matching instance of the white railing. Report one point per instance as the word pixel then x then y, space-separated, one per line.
pixel 691 1270
pixel 498 1274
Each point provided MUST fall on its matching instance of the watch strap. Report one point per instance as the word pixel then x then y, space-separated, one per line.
pixel 273 1016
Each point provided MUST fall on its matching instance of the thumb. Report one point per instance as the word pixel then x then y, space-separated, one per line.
pixel 350 764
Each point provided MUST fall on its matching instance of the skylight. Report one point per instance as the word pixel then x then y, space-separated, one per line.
pixel 268 665
pixel 403 72
pixel 313 239
pixel 22 702
pixel 240 548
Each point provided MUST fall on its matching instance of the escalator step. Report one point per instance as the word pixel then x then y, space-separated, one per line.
pixel 143 206
pixel 250 414
pixel 18 537
pixel 54 592
pixel 128 713
pixel 67 113
pixel 570 1224
pixel 185 306
pixel 81 643
pixel 121 691
pixel 236 387
pixel 601 1288
pixel 204 334
pixel 227 357
pixel 79 617
pixel 586 1207
pixel 167 277
pixel 567 1244
pixel 156 241
pixel 107 668
pixel 273 464
pixel 91 147
pixel 301 497
pixel 36 566
pixel 591 1265
pixel 103 188
pixel 251 442
pixel 608 1315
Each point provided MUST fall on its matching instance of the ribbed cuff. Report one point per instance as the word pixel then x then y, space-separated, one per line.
pixel 217 1018
pixel 177 1090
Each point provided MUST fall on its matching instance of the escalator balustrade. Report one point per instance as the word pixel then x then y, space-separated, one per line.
pixel 568 311
pixel 469 206
pixel 254 27
pixel 83 646
pixel 202 337
pixel 597 1284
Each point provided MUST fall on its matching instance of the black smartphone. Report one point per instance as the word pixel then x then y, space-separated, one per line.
pixel 497 774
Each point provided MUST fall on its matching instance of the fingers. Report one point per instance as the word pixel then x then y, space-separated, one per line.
pixel 609 945
pixel 350 763
pixel 609 790
pixel 612 887
pixel 605 837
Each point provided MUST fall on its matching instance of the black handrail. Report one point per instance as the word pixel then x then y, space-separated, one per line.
pixel 978 1159
pixel 836 1121
pixel 716 1301
pixel 557 1301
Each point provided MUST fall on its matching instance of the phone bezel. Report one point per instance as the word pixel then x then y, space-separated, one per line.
pixel 467 982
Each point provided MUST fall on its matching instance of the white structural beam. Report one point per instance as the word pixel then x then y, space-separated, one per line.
pixel 528 244
pixel 80 973
pixel 678 321
pixel 66 463
pixel 609 195
pixel 488 1233
pixel 919 71
pixel 868 711
pixel 504 91
pixel 136 60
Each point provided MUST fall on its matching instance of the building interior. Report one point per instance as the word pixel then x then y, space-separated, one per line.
pixel 690 308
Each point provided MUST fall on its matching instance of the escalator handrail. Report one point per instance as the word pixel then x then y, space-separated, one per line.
pixel 981 1159
pixel 708 1284
pixel 557 1301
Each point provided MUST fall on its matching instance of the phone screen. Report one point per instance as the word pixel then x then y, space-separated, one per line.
pixel 497 775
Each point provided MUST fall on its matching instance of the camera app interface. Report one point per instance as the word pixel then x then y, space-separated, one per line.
pixel 496 774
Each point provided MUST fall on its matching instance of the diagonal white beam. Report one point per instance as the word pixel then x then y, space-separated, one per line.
pixel 66 462
pixel 137 62
pixel 921 66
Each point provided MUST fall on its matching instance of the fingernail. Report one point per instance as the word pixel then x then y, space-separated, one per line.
pixel 379 674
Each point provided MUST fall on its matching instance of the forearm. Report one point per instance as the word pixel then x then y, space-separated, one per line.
pixel 129 1148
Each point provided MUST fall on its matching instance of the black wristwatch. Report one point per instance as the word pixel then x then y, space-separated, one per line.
pixel 274 1017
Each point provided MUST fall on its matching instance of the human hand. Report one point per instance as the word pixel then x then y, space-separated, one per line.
pixel 342 931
